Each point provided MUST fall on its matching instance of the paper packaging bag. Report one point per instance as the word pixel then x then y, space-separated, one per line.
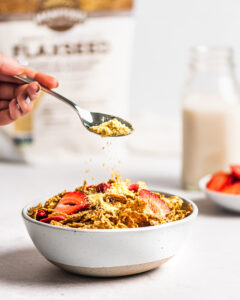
pixel 86 45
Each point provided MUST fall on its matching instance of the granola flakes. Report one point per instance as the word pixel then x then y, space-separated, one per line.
pixel 114 204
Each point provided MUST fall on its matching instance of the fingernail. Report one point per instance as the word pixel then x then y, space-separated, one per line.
pixel 18 106
pixel 27 100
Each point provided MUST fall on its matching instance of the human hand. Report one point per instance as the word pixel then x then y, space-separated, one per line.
pixel 16 99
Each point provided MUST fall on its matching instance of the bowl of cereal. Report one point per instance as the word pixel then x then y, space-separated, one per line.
pixel 115 228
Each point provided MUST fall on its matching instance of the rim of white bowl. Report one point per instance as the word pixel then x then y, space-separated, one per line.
pixel 189 218
pixel 203 187
pixel 202 183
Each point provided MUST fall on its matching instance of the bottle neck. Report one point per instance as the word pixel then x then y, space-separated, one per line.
pixel 212 60
pixel 212 76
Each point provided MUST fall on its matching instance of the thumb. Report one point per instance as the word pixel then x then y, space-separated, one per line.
pixel 9 65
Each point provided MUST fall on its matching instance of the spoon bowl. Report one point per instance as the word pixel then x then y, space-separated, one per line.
pixel 94 119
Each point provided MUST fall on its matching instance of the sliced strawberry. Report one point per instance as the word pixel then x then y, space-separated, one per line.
pixel 72 202
pixel 133 187
pixel 102 187
pixel 88 187
pixel 232 189
pixel 235 170
pixel 55 218
pixel 41 214
pixel 155 203
pixel 219 181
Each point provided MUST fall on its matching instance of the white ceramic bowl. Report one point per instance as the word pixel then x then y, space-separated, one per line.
pixel 109 252
pixel 227 201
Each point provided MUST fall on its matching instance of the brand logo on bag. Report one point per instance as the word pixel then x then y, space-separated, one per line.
pixel 60 19
pixel 60 15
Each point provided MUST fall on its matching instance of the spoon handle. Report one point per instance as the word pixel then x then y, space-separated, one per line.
pixel 48 91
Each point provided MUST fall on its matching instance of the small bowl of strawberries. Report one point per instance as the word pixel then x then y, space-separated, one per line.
pixel 223 188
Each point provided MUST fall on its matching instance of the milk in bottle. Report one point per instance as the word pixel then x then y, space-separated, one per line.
pixel 210 115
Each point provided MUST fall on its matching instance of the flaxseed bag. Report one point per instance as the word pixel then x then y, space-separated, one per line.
pixel 86 45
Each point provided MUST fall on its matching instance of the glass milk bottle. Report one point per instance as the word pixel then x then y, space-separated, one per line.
pixel 210 115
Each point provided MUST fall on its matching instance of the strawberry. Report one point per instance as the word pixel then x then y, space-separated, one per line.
pixel 72 202
pixel 88 187
pixel 155 203
pixel 133 187
pixel 55 218
pixel 41 214
pixel 232 189
pixel 235 170
pixel 102 187
pixel 219 181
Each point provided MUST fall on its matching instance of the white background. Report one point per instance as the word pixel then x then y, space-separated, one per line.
pixel 165 32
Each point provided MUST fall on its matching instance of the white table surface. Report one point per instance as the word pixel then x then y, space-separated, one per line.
pixel 208 267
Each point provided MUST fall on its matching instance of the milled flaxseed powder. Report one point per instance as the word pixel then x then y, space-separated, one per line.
pixel 111 128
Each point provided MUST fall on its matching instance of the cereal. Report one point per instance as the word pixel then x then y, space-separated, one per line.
pixel 112 205
pixel 111 128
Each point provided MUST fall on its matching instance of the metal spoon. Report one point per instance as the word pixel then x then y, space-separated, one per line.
pixel 88 118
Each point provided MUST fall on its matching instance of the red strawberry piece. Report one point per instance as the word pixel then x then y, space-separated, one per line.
pixel 88 187
pixel 41 214
pixel 219 181
pixel 102 187
pixel 55 218
pixel 155 203
pixel 72 202
pixel 235 170
pixel 232 189
pixel 133 187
